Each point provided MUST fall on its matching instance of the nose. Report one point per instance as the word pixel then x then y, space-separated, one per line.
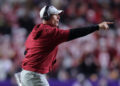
pixel 58 17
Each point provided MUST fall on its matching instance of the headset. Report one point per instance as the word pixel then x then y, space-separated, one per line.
pixel 46 15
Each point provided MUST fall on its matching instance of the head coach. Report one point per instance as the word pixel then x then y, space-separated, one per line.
pixel 42 45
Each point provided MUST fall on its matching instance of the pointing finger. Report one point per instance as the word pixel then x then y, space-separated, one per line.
pixel 110 22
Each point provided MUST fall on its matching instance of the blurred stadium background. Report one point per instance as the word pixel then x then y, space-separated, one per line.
pixel 93 60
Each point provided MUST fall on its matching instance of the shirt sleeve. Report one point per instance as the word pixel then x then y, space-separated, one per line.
pixel 82 31
pixel 59 35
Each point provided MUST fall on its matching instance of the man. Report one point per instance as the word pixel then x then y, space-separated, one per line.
pixel 42 45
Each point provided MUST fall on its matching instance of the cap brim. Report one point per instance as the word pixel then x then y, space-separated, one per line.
pixel 59 11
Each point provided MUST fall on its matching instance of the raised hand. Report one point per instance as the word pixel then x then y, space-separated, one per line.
pixel 105 25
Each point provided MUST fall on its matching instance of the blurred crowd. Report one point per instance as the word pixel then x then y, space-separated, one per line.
pixel 93 58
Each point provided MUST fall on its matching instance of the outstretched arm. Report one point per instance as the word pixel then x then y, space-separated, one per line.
pixel 79 32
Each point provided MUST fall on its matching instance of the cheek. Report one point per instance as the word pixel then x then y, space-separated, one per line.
pixel 55 20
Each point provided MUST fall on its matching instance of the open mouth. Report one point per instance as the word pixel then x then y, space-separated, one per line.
pixel 57 21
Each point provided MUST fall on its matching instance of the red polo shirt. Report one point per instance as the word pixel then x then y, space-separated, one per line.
pixel 41 46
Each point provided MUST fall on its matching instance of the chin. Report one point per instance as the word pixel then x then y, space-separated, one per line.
pixel 56 25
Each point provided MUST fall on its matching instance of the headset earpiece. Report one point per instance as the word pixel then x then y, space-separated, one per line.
pixel 46 15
